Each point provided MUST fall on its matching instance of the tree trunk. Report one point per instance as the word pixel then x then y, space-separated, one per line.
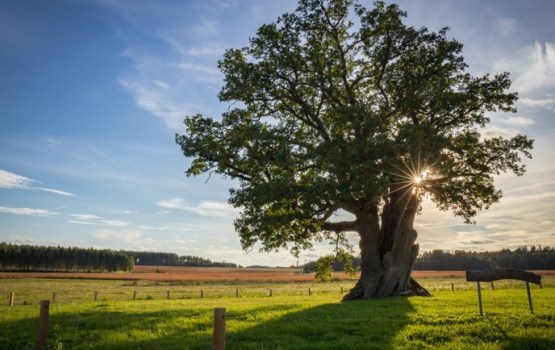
pixel 388 253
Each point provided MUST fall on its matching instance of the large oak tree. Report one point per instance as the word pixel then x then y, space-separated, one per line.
pixel 337 107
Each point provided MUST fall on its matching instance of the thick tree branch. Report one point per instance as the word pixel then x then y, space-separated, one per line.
pixel 340 226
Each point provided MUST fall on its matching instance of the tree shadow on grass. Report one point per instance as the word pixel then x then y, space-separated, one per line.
pixel 367 324
pixel 370 324
pixel 529 343
pixel 363 324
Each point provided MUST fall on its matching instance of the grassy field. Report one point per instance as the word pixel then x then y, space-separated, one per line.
pixel 290 319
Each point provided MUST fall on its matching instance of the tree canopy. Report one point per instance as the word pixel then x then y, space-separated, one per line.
pixel 339 107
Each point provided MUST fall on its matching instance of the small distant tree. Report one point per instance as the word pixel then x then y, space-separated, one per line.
pixel 341 108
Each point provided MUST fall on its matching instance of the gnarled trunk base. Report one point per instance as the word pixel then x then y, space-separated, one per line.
pixel 387 257
pixel 415 288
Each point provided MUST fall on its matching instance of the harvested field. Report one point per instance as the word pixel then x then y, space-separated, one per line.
pixel 178 273
pixel 213 274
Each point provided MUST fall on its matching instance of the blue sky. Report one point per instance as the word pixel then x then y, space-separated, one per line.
pixel 92 93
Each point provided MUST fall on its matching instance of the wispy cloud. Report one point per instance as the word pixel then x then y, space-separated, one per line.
pixel 173 81
pixel 506 25
pixel 19 239
pixel 495 131
pixel 11 180
pixel 204 208
pixel 518 121
pixel 61 193
pixel 27 211
pixel 153 97
pixel 548 103
pixel 85 216
pixel 91 219
pixel 533 67
pixel 128 235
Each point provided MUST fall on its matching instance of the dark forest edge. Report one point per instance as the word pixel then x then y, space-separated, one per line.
pixel 72 259
pixel 524 258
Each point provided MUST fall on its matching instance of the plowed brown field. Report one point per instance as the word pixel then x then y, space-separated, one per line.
pixel 203 274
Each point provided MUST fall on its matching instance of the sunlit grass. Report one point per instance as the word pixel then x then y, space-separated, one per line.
pixel 447 320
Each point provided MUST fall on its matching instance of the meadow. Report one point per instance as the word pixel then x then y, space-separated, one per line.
pixel 289 319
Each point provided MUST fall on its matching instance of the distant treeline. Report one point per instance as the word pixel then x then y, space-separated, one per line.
pixel 71 259
pixel 172 259
pixel 523 258
pixel 35 258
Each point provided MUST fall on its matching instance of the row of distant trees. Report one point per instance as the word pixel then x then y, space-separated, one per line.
pixel 172 259
pixel 39 258
pixel 524 258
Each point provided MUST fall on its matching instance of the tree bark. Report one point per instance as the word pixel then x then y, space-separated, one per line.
pixel 388 252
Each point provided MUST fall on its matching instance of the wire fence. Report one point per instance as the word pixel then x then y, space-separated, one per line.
pixel 68 291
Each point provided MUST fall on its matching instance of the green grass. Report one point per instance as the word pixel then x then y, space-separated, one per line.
pixel 447 320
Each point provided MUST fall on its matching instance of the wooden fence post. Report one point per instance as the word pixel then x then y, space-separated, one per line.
pixel 452 287
pixel 12 296
pixel 237 293
pixel 134 295
pixel 95 295
pixel 492 287
pixel 270 291
pixel 341 290
pixel 529 297
pixel 201 294
pixel 309 292
pixel 53 297
pixel 43 324
pixel 168 295
pixel 219 329
pixel 480 299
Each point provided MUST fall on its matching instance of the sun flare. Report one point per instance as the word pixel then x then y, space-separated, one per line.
pixel 417 180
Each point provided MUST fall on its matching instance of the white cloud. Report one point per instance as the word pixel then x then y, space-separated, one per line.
pixel 542 102
pixel 204 208
pixel 83 217
pixel 518 121
pixel 11 180
pixel 61 193
pixel 14 181
pixel 179 78
pixel 91 219
pixel 27 211
pixel 155 100
pixel 19 239
pixel 81 222
pixel 532 67
pixel 496 131
pixel 129 236
pixel 114 223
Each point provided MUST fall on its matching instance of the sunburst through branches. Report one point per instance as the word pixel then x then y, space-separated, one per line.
pixel 413 178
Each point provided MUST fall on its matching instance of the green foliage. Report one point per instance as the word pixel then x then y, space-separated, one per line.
pixel 337 115
pixel 324 269
pixel 324 266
